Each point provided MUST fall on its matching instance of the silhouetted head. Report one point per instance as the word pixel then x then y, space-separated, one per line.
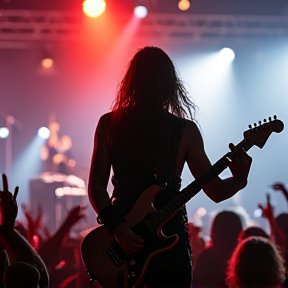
pixel 21 275
pixel 151 82
pixel 226 228
pixel 252 231
pixel 256 262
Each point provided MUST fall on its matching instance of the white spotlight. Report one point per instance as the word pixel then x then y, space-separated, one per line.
pixel 4 132
pixel 227 54
pixel 140 11
pixel 201 212
pixel 257 213
pixel 44 132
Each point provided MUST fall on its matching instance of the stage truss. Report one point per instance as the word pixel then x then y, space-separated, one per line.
pixel 20 28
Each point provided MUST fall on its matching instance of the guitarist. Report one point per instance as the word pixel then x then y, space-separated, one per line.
pixel 146 140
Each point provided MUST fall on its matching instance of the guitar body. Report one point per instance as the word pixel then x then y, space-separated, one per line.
pixel 104 257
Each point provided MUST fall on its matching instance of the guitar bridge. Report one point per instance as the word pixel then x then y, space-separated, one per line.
pixel 120 279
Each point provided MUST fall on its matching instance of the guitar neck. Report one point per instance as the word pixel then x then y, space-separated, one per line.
pixel 159 217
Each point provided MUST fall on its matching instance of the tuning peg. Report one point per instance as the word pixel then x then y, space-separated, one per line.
pixel 255 125
pixel 259 122
pixel 275 117
pixel 269 119
pixel 264 120
pixel 250 126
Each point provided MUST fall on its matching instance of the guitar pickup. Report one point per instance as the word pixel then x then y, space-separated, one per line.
pixel 114 256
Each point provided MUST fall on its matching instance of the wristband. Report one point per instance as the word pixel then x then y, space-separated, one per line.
pixel 111 218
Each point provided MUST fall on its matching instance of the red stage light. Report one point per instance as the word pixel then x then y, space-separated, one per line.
pixel 94 8
pixel 184 5
pixel 47 62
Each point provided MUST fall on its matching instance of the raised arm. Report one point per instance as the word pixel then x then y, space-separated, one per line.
pixel 50 250
pixel 17 247
pixel 238 161
pixel 281 187
pixel 278 236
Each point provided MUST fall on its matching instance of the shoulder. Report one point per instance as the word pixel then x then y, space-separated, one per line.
pixel 105 118
pixel 207 252
pixel 188 124
pixel 103 125
pixel 104 121
pixel 191 125
pixel 191 132
pixel 205 259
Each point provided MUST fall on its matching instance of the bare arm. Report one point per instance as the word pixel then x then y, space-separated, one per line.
pixel 17 247
pixel 99 197
pixel 100 169
pixel 277 234
pixel 198 162
pixel 50 251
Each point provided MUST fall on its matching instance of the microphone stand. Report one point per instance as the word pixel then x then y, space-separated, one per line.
pixel 10 121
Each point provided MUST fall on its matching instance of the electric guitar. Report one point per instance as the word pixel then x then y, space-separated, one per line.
pixel 102 254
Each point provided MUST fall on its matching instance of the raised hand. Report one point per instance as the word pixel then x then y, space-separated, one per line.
pixel 8 204
pixel 280 187
pixel 33 225
pixel 75 215
pixel 267 210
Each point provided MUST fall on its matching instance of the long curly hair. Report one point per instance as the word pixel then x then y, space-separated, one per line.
pixel 256 262
pixel 149 90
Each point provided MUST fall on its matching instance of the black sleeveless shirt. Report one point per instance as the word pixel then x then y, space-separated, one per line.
pixel 134 170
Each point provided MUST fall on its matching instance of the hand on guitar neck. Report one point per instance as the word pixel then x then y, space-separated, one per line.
pixel 239 163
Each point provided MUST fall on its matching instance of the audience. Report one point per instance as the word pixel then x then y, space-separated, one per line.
pixel 256 263
pixel 60 252
pixel 278 226
pixel 210 267
pixel 196 242
pixel 234 257
pixel 252 231
pixel 25 267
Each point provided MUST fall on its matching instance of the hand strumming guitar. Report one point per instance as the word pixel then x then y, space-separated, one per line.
pixel 129 241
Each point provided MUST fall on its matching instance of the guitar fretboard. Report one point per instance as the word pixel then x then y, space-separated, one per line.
pixel 159 217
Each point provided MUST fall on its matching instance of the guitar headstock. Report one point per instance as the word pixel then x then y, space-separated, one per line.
pixel 259 134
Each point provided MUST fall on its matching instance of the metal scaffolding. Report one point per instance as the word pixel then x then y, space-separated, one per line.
pixel 212 27
pixel 20 27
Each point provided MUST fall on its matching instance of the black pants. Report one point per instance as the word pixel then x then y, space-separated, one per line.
pixel 173 268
